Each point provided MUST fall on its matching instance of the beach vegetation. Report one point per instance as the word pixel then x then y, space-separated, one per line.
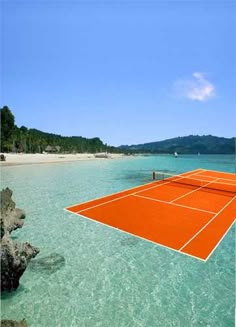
pixel 7 128
pixel 30 140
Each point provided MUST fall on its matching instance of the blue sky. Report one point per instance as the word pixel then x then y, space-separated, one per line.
pixel 126 71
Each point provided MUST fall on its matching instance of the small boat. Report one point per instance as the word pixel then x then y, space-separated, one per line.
pixel 176 154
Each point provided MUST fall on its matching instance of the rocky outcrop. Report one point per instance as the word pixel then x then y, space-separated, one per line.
pixel 13 323
pixel 11 217
pixel 14 256
pixel 14 260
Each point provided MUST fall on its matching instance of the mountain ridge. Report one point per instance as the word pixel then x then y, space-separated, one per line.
pixel 191 144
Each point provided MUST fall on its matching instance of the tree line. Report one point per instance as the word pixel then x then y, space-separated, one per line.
pixel 192 144
pixel 28 140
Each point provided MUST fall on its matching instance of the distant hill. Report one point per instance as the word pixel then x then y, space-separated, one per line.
pixel 29 140
pixel 192 144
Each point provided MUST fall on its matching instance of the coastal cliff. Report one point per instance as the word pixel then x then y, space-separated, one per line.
pixel 14 256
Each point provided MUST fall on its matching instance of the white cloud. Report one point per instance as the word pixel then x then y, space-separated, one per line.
pixel 198 88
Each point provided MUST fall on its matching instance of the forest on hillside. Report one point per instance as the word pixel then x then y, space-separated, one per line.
pixel 28 140
pixel 192 144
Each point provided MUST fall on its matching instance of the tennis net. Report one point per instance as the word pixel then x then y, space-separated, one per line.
pixel 205 184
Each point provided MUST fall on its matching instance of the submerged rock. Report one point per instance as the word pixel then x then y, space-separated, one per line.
pixel 48 264
pixel 13 323
pixel 129 241
pixel 14 256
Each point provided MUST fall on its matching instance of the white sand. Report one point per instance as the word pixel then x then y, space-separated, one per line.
pixel 13 159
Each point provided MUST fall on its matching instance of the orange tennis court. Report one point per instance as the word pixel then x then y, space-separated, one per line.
pixel 189 213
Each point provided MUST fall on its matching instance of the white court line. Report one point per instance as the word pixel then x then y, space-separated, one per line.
pixel 229 182
pixel 200 230
pixel 147 240
pixel 105 196
pixel 101 204
pixel 221 239
pixel 197 189
pixel 142 238
pixel 167 182
pixel 155 186
pixel 220 172
pixel 133 188
pixel 212 181
pixel 197 172
pixel 135 194
pixel 124 196
pixel 174 204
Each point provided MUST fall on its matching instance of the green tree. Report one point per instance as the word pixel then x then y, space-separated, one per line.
pixel 23 139
pixel 7 123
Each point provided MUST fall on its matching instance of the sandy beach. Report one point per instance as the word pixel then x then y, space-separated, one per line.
pixel 14 159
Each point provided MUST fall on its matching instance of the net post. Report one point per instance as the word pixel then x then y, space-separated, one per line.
pixel 153 175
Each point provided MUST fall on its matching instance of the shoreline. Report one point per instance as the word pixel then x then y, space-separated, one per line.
pixel 19 159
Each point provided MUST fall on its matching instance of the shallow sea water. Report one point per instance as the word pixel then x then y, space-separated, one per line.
pixel 109 278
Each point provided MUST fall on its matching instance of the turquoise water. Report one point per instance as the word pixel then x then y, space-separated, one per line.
pixel 112 279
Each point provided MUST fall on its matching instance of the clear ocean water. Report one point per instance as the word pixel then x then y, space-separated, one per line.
pixel 109 278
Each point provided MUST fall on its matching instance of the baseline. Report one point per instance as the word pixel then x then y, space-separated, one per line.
pixel 140 237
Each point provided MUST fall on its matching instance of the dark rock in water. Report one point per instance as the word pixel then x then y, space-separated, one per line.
pixel 14 256
pixel 14 260
pixel 11 217
pixel 13 323
pixel 49 264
